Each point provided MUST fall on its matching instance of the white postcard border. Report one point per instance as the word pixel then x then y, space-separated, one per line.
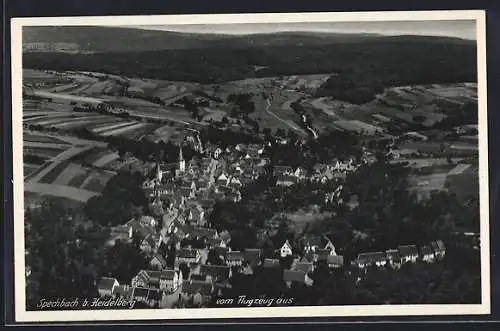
pixel 21 315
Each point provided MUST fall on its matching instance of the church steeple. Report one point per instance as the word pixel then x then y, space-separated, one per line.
pixel 182 162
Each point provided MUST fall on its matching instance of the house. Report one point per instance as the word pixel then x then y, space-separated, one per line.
pixel 196 214
pixel 235 258
pixel 393 257
pixel 170 280
pixel 282 170
pixel 427 254
pixel 192 288
pixel 335 261
pixel 286 249
pixel 201 233
pixel 107 286
pixel 215 273
pixel 150 297
pixel 222 180
pixel 296 276
pixel 158 262
pixel 439 248
pixel 165 280
pixel 147 221
pixel 188 256
pixel 323 254
pixel 122 232
pixel 313 243
pixel 408 253
pixel 123 291
pixel 300 173
pixel 271 263
pixel 216 242
pixel 149 244
pixel 226 236
pixel 378 259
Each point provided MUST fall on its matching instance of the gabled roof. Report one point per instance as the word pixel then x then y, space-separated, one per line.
pixel 160 260
pixel 107 283
pixel 372 257
pixel 309 257
pixel 393 255
pixel 215 271
pixel 168 274
pixel 438 245
pixel 426 250
pixel 150 240
pixel 194 287
pixel 408 250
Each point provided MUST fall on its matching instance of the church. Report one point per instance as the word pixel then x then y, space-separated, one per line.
pixel 165 169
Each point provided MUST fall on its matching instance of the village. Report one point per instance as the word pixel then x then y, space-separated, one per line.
pixel 191 262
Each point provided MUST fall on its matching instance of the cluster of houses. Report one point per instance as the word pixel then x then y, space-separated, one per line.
pixel 403 254
pixel 191 261
pixel 193 275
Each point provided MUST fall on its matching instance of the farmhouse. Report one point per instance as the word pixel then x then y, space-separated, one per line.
pixel 368 259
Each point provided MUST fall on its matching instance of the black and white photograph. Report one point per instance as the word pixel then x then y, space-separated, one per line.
pixel 259 165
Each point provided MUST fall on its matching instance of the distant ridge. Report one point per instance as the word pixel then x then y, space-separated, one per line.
pixel 126 39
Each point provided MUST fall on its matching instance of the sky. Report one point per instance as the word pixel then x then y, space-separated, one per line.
pixel 464 29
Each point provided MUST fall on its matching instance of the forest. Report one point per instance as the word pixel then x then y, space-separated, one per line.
pixel 359 69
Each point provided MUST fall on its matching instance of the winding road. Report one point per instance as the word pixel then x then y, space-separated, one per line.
pixel 287 122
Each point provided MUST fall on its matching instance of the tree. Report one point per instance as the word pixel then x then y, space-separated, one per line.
pixel 213 258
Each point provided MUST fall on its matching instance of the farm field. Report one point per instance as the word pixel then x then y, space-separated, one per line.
pixel 57 166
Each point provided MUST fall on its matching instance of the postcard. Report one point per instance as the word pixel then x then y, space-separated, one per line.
pixel 201 167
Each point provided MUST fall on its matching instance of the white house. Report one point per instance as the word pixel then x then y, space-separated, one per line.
pixel 286 249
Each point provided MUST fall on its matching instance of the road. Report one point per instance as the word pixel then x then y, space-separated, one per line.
pixel 291 124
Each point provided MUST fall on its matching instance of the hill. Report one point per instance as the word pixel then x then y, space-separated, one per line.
pixel 121 39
